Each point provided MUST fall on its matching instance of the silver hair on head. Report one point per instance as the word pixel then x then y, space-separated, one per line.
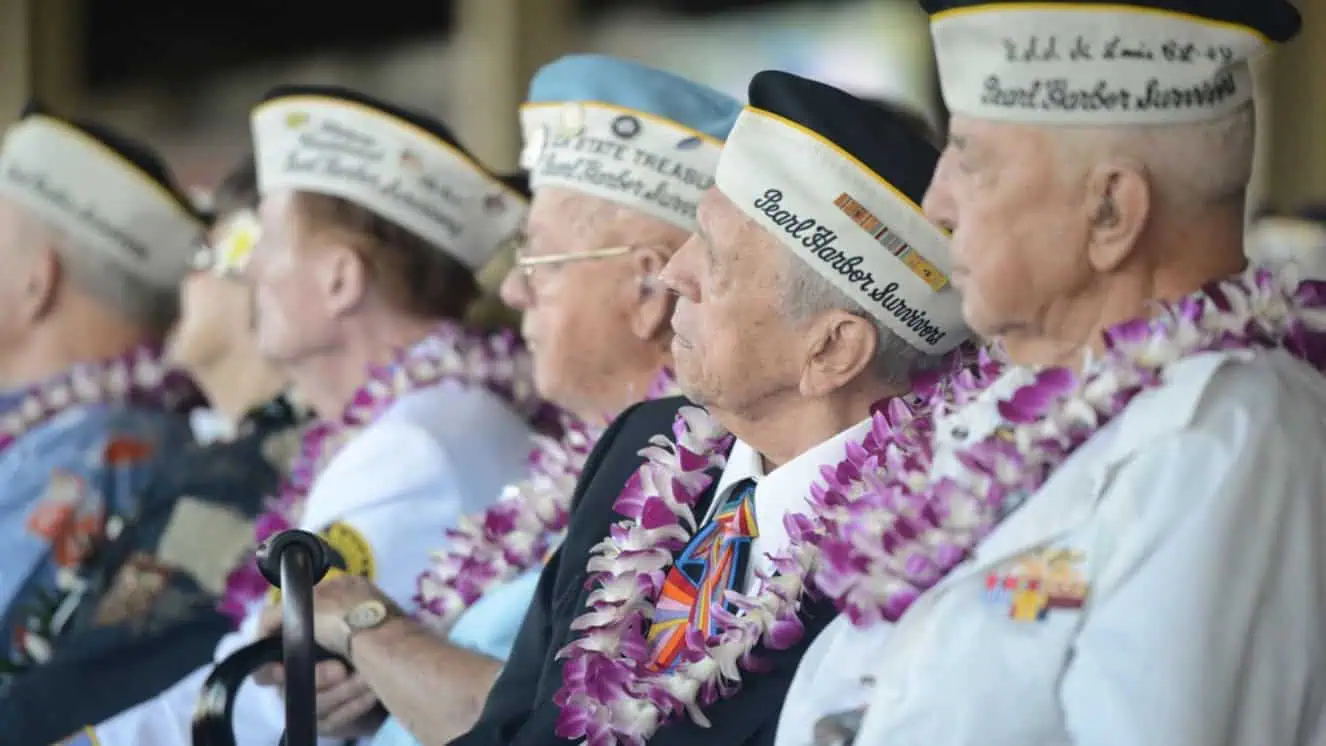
pixel 807 293
pixel 150 307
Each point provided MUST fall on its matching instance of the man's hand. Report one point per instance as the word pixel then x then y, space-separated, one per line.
pixel 346 707
pixel 333 599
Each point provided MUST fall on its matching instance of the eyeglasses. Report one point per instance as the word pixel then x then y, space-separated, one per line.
pixel 525 265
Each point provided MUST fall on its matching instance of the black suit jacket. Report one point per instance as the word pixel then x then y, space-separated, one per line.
pixel 520 709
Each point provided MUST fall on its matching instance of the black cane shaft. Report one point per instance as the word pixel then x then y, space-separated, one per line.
pixel 297 581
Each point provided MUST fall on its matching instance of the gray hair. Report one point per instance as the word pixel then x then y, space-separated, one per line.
pixel 1190 165
pixel 142 303
pixel 807 293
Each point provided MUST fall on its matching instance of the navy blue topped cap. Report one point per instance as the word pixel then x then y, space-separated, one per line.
pixel 886 141
pixel 1098 62
pixel 839 181
pixel 626 132
pixel 401 164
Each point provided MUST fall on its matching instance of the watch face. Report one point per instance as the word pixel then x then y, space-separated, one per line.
pixel 365 615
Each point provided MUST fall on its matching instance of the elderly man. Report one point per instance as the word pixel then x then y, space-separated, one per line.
pixel 372 222
pixel 94 239
pixel 597 324
pixel 149 615
pixel 813 290
pixel 1131 543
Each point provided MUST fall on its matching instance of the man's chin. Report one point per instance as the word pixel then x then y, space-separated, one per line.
pixel 687 387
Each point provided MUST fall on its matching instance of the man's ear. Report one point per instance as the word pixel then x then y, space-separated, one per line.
pixel 652 309
pixel 1119 203
pixel 40 272
pixel 342 275
pixel 840 346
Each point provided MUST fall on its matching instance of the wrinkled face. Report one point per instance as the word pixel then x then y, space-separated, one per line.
pixel 733 346
pixel 1019 225
pixel 216 314
pixel 578 309
pixel 292 318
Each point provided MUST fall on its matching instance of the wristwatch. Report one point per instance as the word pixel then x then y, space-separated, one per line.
pixel 364 616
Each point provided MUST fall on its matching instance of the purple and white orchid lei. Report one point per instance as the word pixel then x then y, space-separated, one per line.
pixel 900 525
pixel 497 362
pixel 610 693
pixel 137 377
pixel 889 522
pixel 517 532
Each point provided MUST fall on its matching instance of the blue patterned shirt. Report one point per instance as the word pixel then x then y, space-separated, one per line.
pixel 64 486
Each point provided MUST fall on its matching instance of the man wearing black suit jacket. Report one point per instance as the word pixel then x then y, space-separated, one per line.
pixel 813 290
pixel 520 710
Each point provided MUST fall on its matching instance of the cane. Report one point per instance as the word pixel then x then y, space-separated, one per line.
pixel 293 561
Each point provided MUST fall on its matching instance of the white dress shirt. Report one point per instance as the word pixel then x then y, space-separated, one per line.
pixel 437 454
pixel 1198 525
pixel 784 490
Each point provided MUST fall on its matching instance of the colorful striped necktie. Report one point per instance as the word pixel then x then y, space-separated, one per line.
pixel 713 563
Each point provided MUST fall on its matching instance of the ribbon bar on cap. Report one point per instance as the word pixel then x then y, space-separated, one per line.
pixel 1083 64
pixel 845 222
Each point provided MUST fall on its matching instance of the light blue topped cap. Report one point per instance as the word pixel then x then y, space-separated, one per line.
pixel 626 132
pixel 630 85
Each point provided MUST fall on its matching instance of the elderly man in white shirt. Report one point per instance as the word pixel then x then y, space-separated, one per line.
pixel 1121 537
pixel 373 221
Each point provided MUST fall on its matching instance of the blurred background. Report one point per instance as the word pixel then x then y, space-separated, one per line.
pixel 184 75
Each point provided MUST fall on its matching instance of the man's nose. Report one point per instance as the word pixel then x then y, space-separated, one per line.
pixel 514 290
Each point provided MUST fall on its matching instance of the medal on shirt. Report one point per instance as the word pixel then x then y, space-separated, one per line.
pixel 1036 583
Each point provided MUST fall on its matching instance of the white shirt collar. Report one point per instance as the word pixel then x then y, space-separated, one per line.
pixel 784 490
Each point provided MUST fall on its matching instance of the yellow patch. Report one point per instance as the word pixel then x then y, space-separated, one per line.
pixel 352 554
pixel 355 552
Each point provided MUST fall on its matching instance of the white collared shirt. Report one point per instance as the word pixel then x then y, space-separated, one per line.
pixel 1197 534
pixel 784 490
